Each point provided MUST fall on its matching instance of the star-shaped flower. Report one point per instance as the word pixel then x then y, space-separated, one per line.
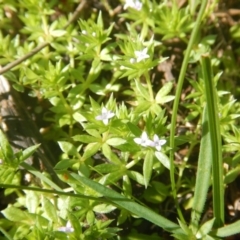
pixel 105 115
pixel 67 229
pixel 141 55
pixel 158 143
pixel 143 140
pixel 136 4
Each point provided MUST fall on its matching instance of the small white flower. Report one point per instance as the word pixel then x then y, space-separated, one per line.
pixel 105 115
pixel 141 55
pixel 136 4
pixel 143 140
pixel 94 34
pixel 84 32
pixel 158 143
pixel 67 229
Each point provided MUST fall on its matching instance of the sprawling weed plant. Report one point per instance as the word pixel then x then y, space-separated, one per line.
pixel 140 102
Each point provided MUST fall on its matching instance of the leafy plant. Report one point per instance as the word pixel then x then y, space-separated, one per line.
pixel 133 147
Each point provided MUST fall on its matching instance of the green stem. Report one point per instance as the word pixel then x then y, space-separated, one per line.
pixel 132 163
pixel 149 85
pixel 177 99
pixel 42 190
pixel 69 110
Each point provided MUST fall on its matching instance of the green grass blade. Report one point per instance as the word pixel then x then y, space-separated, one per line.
pixel 181 78
pixel 216 144
pixel 6 235
pixel 129 205
pixel 40 176
pixel 229 230
pixel 203 174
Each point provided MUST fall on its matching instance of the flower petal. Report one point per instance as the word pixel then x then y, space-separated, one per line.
pixel 162 142
pixel 155 138
pixel 105 121
pixel 144 136
pixel 99 117
pixel 137 140
pixel 110 114
pixel 158 147
pixel 104 110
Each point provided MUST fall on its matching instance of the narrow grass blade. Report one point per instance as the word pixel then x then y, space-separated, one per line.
pixel 181 78
pixel 129 205
pixel 203 174
pixel 216 144
pixel 40 176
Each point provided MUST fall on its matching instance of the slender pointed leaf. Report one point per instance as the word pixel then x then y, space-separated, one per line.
pixel 129 205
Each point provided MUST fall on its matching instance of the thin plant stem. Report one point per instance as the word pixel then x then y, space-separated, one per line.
pixel 149 85
pixel 176 102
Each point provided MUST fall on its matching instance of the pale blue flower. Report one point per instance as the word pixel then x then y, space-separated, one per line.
pixel 136 4
pixel 105 115
pixel 141 55
pixel 143 140
pixel 158 143
pixel 67 229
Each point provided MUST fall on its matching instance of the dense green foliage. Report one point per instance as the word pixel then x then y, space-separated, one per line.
pixel 139 104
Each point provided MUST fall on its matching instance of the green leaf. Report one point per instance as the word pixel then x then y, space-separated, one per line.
pixel 136 176
pixel 104 208
pixel 203 174
pixel 64 164
pixel 58 33
pixel 186 229
pixel 91 149
pixel 126 185
pixel 75 224
pixel 165 90
pixel 49 210
pixel 205 228
pixel 216 140
pixel 32 201
pixel 7 174
pixel 79 117
pixel 90 217
pixel 165 99
pixel 142 90
pixel 16 215
pixel 115 141
pixel 107 152
pixel 228 230
pixel 232 175
pixel 26 153
pixel 147 167
pixel 86 138
pixel 6 152
pixel 134 129
pixel 95 105
pixel 18 87
pixel 112 177
pixel 106 168
pixel 67 147
pixel 142 107
pixel 163 159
